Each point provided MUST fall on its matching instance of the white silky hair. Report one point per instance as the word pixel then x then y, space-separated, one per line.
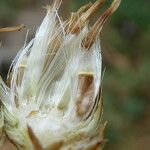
pixel 47 89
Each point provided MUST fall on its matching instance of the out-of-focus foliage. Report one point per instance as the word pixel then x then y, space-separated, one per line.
pixel 8 10
pixel 125 42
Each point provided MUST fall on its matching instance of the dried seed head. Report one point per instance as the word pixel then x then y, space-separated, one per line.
pixel 54 98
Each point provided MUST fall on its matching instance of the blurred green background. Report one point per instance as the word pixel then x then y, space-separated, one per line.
pixel 125 43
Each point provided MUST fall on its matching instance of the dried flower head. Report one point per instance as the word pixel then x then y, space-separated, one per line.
pixel 52 99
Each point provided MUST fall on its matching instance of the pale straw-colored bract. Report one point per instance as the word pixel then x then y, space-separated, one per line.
pixel 53 100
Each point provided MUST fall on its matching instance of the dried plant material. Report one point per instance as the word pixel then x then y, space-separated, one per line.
pixel 54 97
pixel 84 8
pixel 33 113
pixel 57 146
pixel 79 21
pixel 35 141
pixel 97 27
pixel 12 29
pixel 85 93
pixel 75 16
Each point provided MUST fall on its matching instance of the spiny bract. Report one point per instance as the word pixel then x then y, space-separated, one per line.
pixel 52 99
